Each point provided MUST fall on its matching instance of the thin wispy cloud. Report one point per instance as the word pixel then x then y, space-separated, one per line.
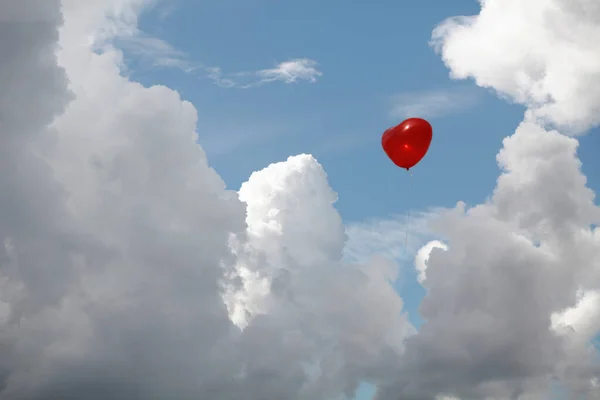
pixel 435 103
pixel 387 237
pixel 292 71
pixel 155 52
pixel 158 53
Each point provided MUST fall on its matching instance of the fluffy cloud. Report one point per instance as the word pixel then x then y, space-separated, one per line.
pixel 515 265
pixel 422 258
pixel 156 52
pixel 128 271
pixel 547 59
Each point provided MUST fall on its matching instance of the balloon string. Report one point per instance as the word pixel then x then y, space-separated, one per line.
pixel 408 214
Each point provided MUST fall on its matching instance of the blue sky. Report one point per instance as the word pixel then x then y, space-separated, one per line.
pixel 368 56
pixel 375 58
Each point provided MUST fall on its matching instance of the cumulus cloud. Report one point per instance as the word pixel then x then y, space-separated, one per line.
pixel 581 321
pixel 547 60
pixel 422 258
pixel 432 103
pixel 504 313
pixel 129 271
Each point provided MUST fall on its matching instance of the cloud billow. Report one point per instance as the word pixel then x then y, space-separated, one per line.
pixel 515 264
pixel 129 271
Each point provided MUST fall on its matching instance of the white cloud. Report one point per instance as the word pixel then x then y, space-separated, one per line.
pixel 156 52
pixel 125 264
pixel 511 264
pixel 515 263
pixel 422 258
pixel 288 72
pixel 116 26
pixel 432 104
pixel 578 326
pixel 547 60
pixel 292 71
pixel 392 238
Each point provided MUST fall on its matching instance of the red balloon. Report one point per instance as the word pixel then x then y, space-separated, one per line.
pixel 407 143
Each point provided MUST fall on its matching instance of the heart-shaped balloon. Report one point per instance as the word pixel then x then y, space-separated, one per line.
pixel 407 143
